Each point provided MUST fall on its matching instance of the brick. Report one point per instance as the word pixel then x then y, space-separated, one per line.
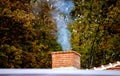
pixel 65 59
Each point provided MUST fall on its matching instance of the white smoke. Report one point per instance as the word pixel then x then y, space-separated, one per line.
pixel 61 14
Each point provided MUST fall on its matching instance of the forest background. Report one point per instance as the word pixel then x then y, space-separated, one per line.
pixel 28 33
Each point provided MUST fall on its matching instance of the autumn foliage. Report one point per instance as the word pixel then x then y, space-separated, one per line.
pixel 28 33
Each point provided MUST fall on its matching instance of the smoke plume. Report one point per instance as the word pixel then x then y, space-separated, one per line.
pixel 61 14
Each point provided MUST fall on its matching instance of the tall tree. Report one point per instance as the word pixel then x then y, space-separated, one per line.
pixel 94 29
pixel 26 37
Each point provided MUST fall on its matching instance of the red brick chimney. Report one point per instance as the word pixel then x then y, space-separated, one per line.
pixel 65 59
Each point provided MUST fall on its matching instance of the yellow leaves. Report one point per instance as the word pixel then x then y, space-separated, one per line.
pixel 27 24
pixel 6 11
pixel 114 12
pixel 101 11
pixel 19 13
pixel 43 46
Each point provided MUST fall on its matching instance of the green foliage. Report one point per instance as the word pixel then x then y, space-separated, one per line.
pixel 94 30
pixel 26 39
pixel 10 56
pixel 28 34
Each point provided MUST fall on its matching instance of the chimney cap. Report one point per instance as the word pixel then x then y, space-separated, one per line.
pixel 64 52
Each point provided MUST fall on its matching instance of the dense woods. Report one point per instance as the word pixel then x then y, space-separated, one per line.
pixel 28 33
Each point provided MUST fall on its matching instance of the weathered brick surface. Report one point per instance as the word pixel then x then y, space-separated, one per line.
pixel 65 59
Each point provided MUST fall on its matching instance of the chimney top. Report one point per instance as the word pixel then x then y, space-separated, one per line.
pixel 65 59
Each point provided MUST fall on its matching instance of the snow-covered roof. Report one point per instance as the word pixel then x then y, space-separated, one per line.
pixel 56 72
pixel 110 66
